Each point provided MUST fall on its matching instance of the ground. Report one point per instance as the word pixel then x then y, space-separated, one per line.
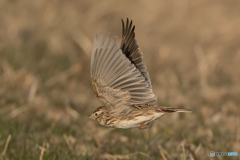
pixel 192 52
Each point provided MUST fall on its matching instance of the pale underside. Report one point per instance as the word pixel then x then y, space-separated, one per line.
pixel 133 123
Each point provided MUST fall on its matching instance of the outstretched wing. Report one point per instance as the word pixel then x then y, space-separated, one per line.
pixel 131 49
pixel 116 80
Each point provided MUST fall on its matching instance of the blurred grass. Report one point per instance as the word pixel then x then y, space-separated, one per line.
pixel 191 49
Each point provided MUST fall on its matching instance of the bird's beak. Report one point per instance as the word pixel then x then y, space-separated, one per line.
pixel 90 117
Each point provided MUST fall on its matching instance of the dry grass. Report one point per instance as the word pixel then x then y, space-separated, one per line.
pixel 192 51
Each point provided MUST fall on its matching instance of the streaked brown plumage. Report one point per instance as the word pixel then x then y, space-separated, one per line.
pixel 121 81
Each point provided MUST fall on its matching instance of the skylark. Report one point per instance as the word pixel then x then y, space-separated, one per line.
pixel 121 81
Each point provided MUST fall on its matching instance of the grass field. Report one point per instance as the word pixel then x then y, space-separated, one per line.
pixel 191 49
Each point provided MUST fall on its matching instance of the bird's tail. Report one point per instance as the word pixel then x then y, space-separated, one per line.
pixel 170 110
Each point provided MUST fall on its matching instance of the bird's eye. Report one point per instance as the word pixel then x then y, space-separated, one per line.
pixel 96 114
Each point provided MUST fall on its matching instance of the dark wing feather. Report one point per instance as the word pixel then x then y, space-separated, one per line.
pixel 131 49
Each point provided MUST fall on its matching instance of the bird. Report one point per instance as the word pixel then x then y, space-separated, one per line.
pixel 121 82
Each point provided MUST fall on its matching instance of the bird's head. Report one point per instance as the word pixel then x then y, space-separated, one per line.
pixel 99 115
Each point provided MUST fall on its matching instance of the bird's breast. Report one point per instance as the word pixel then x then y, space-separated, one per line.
pixel 134 122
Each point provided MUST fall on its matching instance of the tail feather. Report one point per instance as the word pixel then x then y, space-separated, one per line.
pixel 169 110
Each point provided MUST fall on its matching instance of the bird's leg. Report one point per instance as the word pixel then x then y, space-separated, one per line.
pixel 142 126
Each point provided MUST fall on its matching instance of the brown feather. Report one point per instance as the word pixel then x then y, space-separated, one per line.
pixel 169 110
pixel 119 77
pixel 131 49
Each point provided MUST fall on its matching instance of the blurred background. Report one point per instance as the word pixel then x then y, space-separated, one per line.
pixel 192 52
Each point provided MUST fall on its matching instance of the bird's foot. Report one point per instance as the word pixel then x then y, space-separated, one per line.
pixel 142 126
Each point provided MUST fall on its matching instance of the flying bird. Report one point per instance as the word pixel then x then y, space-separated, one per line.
pixel 121 82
